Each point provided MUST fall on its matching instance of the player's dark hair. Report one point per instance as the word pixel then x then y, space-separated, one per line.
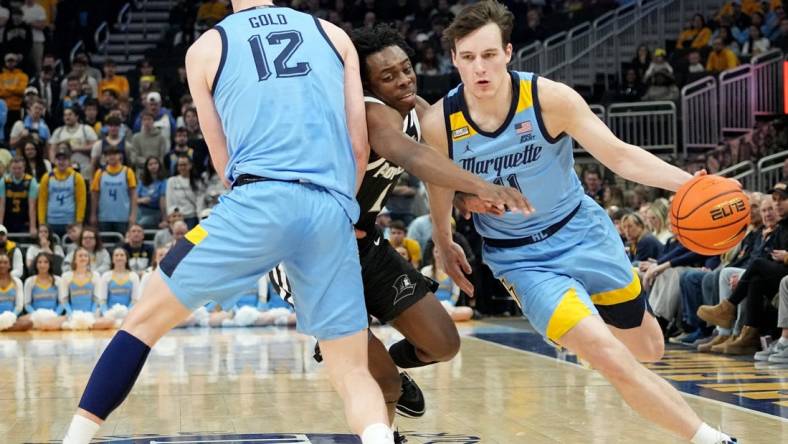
pixel 369 41
pixel 478 15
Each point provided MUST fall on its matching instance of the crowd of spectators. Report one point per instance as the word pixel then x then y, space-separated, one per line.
pixel 737 32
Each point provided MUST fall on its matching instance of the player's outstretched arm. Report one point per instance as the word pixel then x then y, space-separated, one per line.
pixel 354 97
pixel 457 266
pixel 385 134
pixel 564 110
pixel 202 62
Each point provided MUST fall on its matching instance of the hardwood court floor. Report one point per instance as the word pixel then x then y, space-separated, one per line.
pixel 262 386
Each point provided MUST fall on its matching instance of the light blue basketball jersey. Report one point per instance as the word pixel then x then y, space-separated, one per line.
pixel 119 292
pixel 8 298
pixel 61 206
pixel 44 298
pixel 80 296
pixel 114 202
pixel 520 154
pixel 279 92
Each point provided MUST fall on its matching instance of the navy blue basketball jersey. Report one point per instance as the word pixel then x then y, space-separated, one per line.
pixel 279 92
pixel 520 154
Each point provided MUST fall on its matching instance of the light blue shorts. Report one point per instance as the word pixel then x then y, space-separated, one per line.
pixel 255 227
pixel 579 271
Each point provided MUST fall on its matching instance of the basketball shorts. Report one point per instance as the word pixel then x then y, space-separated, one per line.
pixel 255 227
pixel 579 271
pixel 391 283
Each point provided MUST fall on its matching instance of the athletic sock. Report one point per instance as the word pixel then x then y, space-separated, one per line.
pixel 783 340
pixel 114 375
pixel 708 435
pixel 403 353
pixel 377 434
pixel 81 430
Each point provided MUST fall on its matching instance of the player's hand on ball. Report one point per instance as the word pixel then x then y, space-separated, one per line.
pixel 456 265
pixel 703 173
pixel 467 204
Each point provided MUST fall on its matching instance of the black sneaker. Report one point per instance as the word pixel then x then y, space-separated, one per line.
pixel 318 356
pixel 411 401
pixel 399 439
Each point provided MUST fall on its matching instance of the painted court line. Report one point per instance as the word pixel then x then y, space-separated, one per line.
pixel 714 401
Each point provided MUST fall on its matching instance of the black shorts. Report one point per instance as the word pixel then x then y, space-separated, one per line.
pixel 625 315
pixel 391 284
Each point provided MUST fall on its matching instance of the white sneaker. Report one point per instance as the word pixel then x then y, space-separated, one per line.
pixel 780 356
pixel 774 347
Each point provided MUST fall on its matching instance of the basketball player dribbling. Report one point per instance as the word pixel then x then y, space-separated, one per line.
pixel 395 292
pixel 564 262
pixel 281 105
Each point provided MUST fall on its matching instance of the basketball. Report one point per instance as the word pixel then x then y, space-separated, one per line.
pixel 710 214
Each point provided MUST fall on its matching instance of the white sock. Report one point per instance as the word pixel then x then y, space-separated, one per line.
pixel 708 435
pixel 80 431
pixel 377 434
pixel 783 340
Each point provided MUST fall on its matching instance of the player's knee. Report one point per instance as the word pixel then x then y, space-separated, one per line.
pixel 609 357
pixel 446 346
pixel 653 350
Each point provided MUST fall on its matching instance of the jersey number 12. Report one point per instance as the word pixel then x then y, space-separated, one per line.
pixel 293 40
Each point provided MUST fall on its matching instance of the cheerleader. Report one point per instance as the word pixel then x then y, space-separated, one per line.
pixel 119 288
pixel 79 295
pixel 11 299
pixel 41 295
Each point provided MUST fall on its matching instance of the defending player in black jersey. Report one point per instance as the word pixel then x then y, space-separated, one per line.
pixel 395 292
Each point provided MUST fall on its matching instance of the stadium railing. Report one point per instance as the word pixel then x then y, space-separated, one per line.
pixel 597 47
pixel 699 115
pixel 745 172
pixel 650 125
pixel 736 99
pixel 766 80
pixel 770 170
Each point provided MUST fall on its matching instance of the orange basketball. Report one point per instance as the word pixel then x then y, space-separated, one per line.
pixel 710 214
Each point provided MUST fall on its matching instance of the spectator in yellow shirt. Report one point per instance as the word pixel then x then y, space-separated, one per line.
pixel 62 195
pixel 697 36
pixel 12 88
pixel 50 7
pixel 397 238
pixel 721 58
pixel 746 6
pixel 212 11
pixel 114 82
pixel 113 194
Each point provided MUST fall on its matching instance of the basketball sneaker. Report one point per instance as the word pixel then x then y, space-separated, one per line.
pixel 399 439
pixel 411 401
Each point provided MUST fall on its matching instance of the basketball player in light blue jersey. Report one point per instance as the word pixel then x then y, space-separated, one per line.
pixel 563 262
pixel 281 107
